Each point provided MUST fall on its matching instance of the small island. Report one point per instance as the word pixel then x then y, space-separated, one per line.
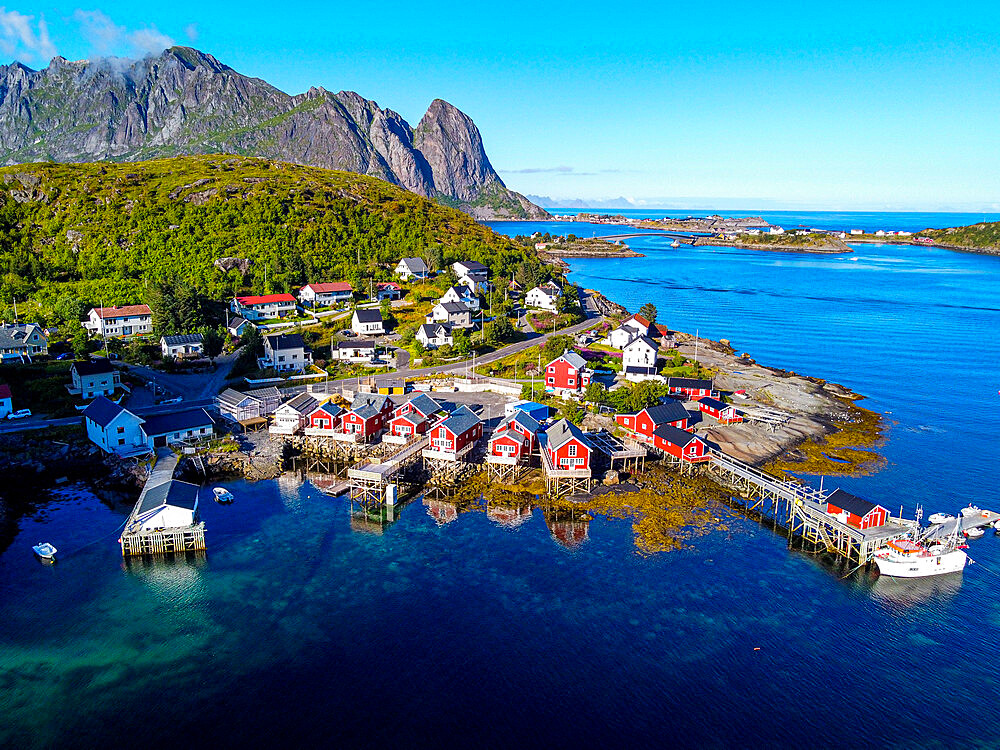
pixel 821 243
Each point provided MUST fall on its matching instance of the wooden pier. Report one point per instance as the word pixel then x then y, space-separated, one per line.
pixel 136 540
pixel 368 484
pixel 802 510
pixel 560 482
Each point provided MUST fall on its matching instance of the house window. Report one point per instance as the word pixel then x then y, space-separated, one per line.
pixel 572 450
pixel 121 430
pixel 121 441
pixel 551 381
pixel 552 369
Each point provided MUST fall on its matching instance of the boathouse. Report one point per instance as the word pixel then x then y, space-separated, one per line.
pixel 646 421
pixel 324 419
pixel 170 505
pixel 567 446
pixel 421 404
pixel 567 372
pixel 455 436
pixel 680 444
pixel 368 415
pixel 692 388
pixel 293 415
pixel 725 413
pixel 856 511
pixel 407 425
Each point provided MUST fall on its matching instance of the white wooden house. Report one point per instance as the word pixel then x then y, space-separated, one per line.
pixel 291 417
pixel 434 335
pixel 463 295
pixel 326 295
pixel 368 322
pixel 412 268
pixel 286 352
pixel 130 320
pixel 184 345
pixel 168 505
pixel 19 343
pixel 541 299
pixel 639 358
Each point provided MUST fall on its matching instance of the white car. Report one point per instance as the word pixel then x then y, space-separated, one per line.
pixel 19 414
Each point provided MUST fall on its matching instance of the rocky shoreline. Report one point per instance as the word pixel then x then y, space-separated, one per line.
pixel 826 249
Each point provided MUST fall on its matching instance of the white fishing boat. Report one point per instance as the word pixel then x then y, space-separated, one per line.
pixel 940 517
pixel 972 510
pixel 45 551
pixel 675 243
pixel 904 558
pixel 975 532
pixel 222 495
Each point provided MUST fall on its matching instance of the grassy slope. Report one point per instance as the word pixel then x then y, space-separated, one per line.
pixel 99 232
pixel 983 236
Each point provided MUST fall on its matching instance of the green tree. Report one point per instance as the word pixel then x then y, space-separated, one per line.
pixel 648 311
pixel 461 344
pixel 81 342
pixel 212 340
pixel 595 393
pixel 556 346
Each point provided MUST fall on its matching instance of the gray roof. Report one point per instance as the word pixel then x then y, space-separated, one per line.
pixel 431 330
pixel 98 366
pixel 162 424
pixel 232 398
pixel 414 265
pixel 266 393
pixel 356 344
pixel 675 435
pixel 640 370
pixel 303 403
pixel 285 341
pixel 184 338
pixel 472 265
pixel 672 411
pixel 372 315
pixel 174 492
pixel 461 291
pixel 574 359
pixel 646 340
pixel 461 420
pixel 714 403
pixel 852 503
pixel 526 421
pixel 374 400
pixel 103 410
pixel 236 322
pixel 689 383
pixel 15 335
pixel 425 404
pixel 454 308
pixel 562 432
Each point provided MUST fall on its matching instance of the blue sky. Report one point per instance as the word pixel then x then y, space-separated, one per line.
pixel 849 105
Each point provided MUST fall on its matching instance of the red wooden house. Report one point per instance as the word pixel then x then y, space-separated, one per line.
pixel 680 444
pixel 421 404
pixel 855 511
pixel 505 443
pixel 567 447
pixel 325 418
pixel 369 415
pixel 725 413
pixel 692 388
pixel 409 424
pixel 567 372
pixel 455 436
pixel 646 421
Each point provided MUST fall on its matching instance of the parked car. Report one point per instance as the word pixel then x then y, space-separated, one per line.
pixel 174 400
pixel 67 355
pixel 19 414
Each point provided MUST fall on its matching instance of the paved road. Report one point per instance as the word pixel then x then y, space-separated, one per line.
pixel 205 396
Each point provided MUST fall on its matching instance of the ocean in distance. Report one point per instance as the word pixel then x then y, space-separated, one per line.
pixel 297 627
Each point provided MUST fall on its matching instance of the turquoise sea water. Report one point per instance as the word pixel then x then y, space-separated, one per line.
pixel 297 627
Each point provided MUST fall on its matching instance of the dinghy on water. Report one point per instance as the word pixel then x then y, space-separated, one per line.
pixel 45 551
pixel 222 495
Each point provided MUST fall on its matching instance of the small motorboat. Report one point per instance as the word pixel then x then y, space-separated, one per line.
pixel 974 533
pixel 222 495
pixel 996 525
pixel 45 551
pixel 972 510
pixel 936 518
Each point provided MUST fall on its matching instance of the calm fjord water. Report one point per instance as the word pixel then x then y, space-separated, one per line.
pixel 297 628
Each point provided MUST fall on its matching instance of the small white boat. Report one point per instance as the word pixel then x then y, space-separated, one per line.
pixel 974 533
pixel 996 525
pixel 935 518
pixel 222 495
pixel 904 558
pixel 45 551
pixel 972 510
pixel 675 243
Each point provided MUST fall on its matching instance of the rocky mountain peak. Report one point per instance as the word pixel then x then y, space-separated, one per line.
pixel 184 101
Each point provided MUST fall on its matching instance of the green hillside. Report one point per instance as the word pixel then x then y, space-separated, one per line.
pixel 77 235
pixel 984 236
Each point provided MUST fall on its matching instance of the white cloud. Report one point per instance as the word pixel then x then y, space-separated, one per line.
pixel 149 41
pixel 191 32
pixel 21 36
pixel 104 35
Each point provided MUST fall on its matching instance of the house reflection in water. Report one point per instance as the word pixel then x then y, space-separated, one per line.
pixel 569 529
pixel 508 517
pixel 374 519
pixel 441 511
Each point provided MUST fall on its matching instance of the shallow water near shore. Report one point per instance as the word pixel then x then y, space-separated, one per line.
pixel 297 627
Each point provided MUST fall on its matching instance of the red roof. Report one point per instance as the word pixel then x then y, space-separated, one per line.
pixel 388 285
pixel 265 299
pixel 4 390
pixel 120 312
pixel 663 330
pixel 641 320
pixel 333 286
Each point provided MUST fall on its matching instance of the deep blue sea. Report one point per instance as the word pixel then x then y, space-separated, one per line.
pixel 298 627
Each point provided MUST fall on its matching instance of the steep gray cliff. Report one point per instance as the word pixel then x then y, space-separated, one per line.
pixel 187 102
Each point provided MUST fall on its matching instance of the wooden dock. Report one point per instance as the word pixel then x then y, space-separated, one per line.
pixel 137 541
pixel 802 510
